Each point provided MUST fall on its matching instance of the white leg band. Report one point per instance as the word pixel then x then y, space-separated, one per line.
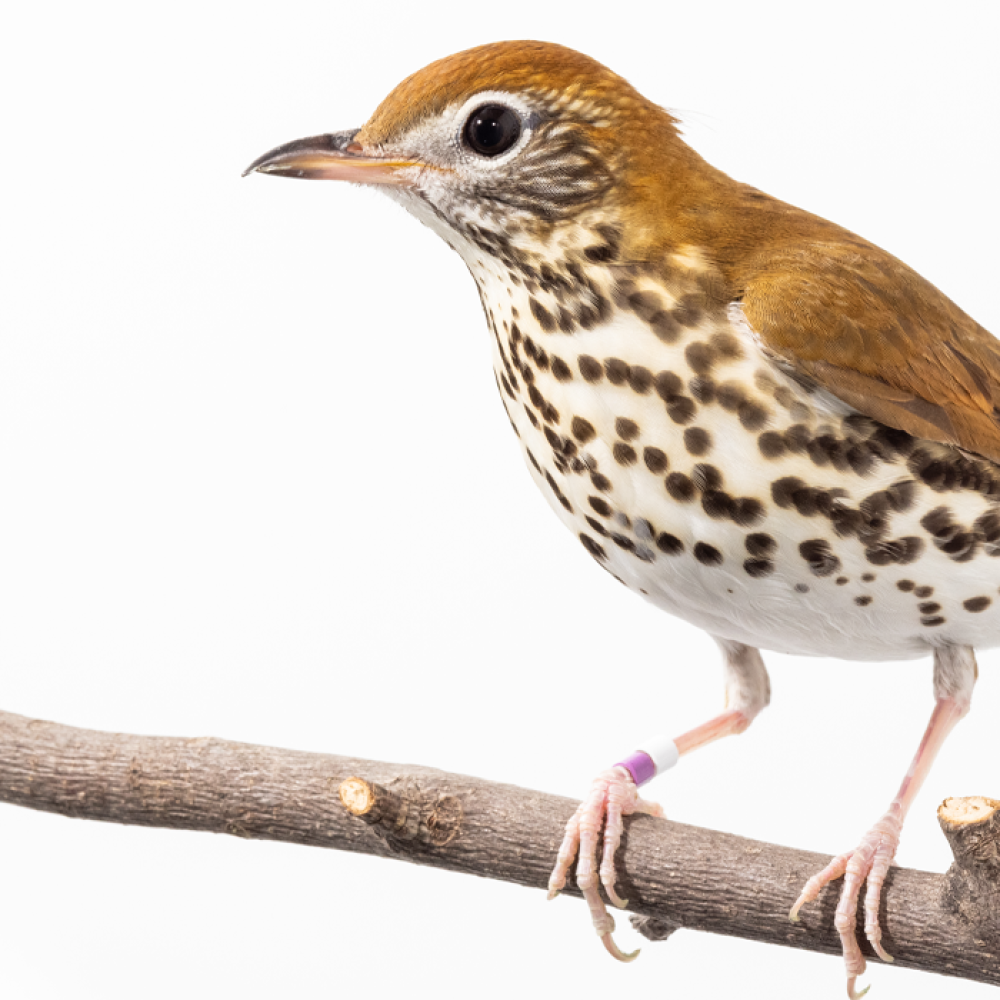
pixel 662 751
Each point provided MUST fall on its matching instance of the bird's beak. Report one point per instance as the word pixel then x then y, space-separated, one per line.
pixel 333 157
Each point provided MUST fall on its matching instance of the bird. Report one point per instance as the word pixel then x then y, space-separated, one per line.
pixel 756 420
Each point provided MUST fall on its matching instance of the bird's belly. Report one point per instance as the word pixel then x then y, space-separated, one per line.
pixel 735 501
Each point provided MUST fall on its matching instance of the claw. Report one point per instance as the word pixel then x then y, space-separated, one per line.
pixel 876 943
pixel 623 956
pixel 851 991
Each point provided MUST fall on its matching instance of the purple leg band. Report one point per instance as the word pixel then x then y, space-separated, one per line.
pixel 640 765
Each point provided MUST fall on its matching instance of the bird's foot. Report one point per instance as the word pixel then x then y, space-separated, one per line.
pixel 613 795
pixel 869 864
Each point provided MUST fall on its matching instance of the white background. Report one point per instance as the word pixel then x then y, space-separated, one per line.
pixel 256 479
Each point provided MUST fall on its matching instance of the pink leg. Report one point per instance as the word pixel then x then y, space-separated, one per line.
pixel 613 795
pixel 954 676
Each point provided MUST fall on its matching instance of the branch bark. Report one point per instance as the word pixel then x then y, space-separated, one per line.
pixel 673 875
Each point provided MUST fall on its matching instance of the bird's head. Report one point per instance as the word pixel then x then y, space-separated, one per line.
pixel 513 142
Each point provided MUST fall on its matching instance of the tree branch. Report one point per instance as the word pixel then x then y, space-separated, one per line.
pixel 673 875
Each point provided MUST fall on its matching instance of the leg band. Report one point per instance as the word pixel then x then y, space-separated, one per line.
pixel 644 765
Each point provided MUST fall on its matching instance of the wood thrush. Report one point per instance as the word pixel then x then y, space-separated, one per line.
pixel 755 419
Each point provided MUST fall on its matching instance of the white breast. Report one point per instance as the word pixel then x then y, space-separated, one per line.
pixel 779 577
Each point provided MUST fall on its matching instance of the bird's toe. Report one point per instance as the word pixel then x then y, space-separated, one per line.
pixel 868 864
pixel 612 796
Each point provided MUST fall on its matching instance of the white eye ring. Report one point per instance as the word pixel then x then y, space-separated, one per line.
pixel 528 119
pixel 492 129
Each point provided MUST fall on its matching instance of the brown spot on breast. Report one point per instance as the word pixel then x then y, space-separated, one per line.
pixel 667 385
pixel 687 311
pixel 600 505
pixel 727 345
pixel 566 321
pixel 730 395
pixel 758 567
pixel 784 396
pixel 590 368
pixel 702 388
pixel 669 544
pixel 624 454
pixel 697 440
pixel 818 554
pixel 942 474
pixel 582 430
pixel 616 370
pixel 640 379
pixel 901 494
pixel 901 550
pixel 542 316
pixel 747 511
pixel 665 327
pixel 752 415
pixel 655 459
pixel 680 487
pixel 706 477
pixel 626 429
pixel 681 410
pixel 561 370
pixel 771 444
pixel 560 496
pixel 847 521
pixel 700 357
pixel 860 458
pixel 825 449
pixel 863 601
pixel 717 504
pixel 595 524
pixel 760 544
pixel 645 304
pixel 977 604
pixel 596 550
pixel 599 253
pixel 988 526
pixel 797 439
pixel 707 555
pixel 623 542
pixel 790 491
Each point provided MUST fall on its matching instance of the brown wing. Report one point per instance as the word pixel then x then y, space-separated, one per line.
pixel 869 329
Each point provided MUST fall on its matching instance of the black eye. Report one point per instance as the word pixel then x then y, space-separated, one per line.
pixel 492 129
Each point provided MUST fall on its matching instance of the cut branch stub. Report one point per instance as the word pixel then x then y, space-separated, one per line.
pixel 403 814
pixel 972 884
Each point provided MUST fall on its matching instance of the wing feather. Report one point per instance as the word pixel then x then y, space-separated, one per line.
pixel 860 323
